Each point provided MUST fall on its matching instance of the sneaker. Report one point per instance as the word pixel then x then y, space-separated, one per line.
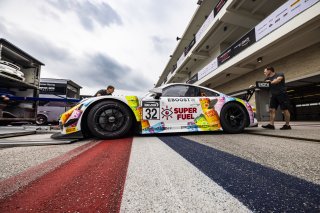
pixel 285 127
pixel 268 126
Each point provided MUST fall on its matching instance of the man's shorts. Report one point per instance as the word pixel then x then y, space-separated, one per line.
pixel 280 99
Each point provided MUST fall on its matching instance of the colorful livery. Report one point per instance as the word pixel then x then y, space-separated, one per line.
pixel 167 109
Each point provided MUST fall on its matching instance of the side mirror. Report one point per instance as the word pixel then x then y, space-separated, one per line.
pixel 157 91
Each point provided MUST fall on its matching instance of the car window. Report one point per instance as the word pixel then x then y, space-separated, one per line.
pixel 179 91
pixel 206 93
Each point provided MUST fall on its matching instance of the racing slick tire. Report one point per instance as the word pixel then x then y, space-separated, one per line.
pixel 233 118
pixel 109 119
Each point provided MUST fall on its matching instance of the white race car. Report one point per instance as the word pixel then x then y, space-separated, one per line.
pixel 170 108
pixel 11 70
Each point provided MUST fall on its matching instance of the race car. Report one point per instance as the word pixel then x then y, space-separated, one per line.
pixel 171 108
pixel 11 70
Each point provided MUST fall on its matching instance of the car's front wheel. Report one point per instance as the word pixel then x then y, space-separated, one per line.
pixel 109 119
pixel 233 118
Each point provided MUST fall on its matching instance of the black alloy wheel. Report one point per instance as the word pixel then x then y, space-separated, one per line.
pixel 233 118
pixel 109 119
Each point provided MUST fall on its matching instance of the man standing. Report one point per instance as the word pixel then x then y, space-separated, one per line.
pixel 279 96
pixel 108 91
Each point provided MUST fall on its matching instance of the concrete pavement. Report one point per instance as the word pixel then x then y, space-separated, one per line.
pixel 300 130
pixel 29 136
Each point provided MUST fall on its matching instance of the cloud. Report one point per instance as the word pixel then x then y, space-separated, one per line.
pixel 102 70
pixel 3 28
pixel 87 12
pixel 94 70
pixel 97 42
pixel 33 44
pixel 160 45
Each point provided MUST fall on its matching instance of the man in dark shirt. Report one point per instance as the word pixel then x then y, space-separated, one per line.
pixel 279 96
pixel 108 91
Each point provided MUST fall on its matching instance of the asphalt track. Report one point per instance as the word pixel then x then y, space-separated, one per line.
pixel 149 174
pixel 91 182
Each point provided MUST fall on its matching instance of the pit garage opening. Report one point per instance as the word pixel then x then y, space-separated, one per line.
pixel 304 97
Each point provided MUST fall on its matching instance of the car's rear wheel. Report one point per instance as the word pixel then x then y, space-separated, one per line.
pixel 109 119
pixel 233 118
pixel 41 120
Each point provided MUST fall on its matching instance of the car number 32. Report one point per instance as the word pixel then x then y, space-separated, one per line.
pixel 151 113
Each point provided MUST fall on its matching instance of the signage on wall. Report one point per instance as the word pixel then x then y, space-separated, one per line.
pixel 282 15
pixel 225 56
pixel 193 79
pixel 213 65
pixel 188 48
pixel 52 88
pixel 204 26
pixel 244 42
pixel 219 6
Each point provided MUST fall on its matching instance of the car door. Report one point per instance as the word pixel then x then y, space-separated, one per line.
pixel 179 107
pixel 186 108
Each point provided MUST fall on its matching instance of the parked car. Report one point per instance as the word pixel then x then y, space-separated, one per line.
pixel 49 112
pixel 11 70
pixel 166 109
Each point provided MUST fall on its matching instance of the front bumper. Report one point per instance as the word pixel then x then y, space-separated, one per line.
pixel 74 135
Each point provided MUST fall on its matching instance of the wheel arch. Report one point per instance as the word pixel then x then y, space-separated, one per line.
pixel 84 126
pixel 243 107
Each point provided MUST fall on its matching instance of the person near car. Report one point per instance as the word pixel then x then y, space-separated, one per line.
pixel 279 97
pixel 102 92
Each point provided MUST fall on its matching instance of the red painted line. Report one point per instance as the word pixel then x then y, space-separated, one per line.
pixel 91 182
pixel 13 184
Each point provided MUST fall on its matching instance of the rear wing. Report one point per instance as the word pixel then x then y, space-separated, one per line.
pixel 247 96
pixel 259 85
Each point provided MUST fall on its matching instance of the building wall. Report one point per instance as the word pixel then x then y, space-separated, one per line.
pixel 303 63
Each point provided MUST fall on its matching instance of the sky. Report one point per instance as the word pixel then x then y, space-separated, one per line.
pixel 95 43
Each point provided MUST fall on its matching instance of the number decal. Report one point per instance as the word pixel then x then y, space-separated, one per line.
pixel 151 114
pixel 150 110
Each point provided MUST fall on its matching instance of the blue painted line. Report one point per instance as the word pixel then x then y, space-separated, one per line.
pixel 260 188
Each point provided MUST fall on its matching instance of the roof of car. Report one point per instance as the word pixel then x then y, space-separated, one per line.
pixel 171 84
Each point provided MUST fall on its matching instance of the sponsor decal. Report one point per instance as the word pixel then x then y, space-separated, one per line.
pixel 151 104
pixel 133 103
pixel 71 129
pixel 192 127
pixel 181 113
pixel 262 84
pixel 86 103
pixel 181 100
pixel 166 112
pixel 156 128
pixel 150 110
pixel 209 113
pixel 185 113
